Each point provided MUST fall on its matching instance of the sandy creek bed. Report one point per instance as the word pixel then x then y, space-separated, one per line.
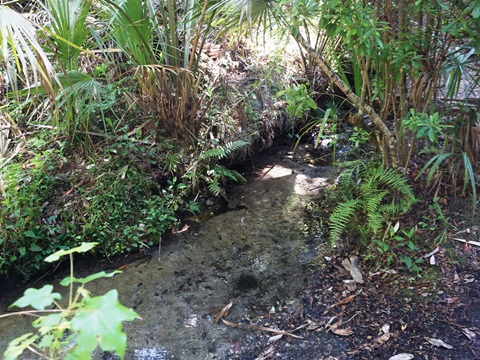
pixel 254 255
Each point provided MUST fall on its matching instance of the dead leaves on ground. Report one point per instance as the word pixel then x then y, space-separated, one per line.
pixel 329 306
pixel 226 310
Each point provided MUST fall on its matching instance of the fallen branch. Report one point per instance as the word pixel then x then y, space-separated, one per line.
pixel 262 328
pixel 476 243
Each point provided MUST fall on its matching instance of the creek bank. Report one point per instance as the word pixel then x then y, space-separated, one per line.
pixel 254 255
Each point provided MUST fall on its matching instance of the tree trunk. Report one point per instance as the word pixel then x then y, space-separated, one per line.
pixel 390 156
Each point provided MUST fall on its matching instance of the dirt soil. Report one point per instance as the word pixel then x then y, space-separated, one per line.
pixel 291 296
pixel 435 315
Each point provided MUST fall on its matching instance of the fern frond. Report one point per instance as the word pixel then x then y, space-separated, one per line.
pixel 375 221
pixel 396 182
pixel 373 199
pixel 214 187
pixel 397 186
pixel 341 217
pixel 234 146
pixel 222 151
pixel 230 174
pixel 215 153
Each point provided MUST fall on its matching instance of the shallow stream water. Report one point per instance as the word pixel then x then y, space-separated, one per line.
pixel 255 255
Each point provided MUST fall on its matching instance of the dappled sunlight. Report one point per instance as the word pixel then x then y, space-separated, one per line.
pixel 307 182
pixel 310 182
pixel 274 172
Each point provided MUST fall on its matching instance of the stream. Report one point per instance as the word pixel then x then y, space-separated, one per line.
pixel 254 255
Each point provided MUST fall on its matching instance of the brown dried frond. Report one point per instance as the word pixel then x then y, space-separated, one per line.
pixel 169 92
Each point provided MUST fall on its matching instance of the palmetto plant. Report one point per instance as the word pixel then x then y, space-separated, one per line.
pixel 164 44
pixel 24 60
pixel 67 29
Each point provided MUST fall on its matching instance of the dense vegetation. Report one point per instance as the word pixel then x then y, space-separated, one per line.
pixel 115 113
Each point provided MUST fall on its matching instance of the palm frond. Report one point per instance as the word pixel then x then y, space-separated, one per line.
pixel 21 53
pixel 69 27
pixel 132 29
pixel 170 92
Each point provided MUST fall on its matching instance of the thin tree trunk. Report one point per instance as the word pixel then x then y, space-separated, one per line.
pixel 391 158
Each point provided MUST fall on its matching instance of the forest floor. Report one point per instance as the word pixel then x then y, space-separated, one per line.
pixel 293 299
pixel 393 314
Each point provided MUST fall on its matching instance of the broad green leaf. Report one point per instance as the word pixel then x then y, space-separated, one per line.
pixel 99 321
pixel 37 298
pixel 35 248
pixel 102 274
pixel 79 249
pixel 476 11
pixel 46 341
pixel 16 346
pixel 46 323
pixel 29 233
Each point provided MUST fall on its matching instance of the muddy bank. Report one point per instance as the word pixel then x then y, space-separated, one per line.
pixel 255 255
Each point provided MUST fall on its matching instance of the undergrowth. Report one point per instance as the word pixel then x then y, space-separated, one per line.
pixel 50 203
pixel 371 199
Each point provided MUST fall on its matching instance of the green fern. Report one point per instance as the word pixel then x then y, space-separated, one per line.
pixel 204 168
pixel 375 222
pixel 223 151
pixel 376 192
pixel 341 217
pixel 229 174
pixel 372 200
pixel 402 193
pixel 214 186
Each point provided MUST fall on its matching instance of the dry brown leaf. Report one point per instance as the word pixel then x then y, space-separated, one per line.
pixel 343 301
pixel 274 338
pixel 228 323
pixel 382 339
pixel 343 332
pixel 313 326
pixel 351 265
pixel 224 312
pixel 470 335
pixel 266 354
pixel 439 343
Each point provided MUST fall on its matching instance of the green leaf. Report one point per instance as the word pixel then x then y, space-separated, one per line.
pixel 45 324
pixel 79 249
pixel 16 346
pixel 29 233
pixel 99 321
pixel 469 176
pixel 35 248
pixel 37 298
pixel 476 11
pixel 68 280
pixel 46 341
pixel 436 161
